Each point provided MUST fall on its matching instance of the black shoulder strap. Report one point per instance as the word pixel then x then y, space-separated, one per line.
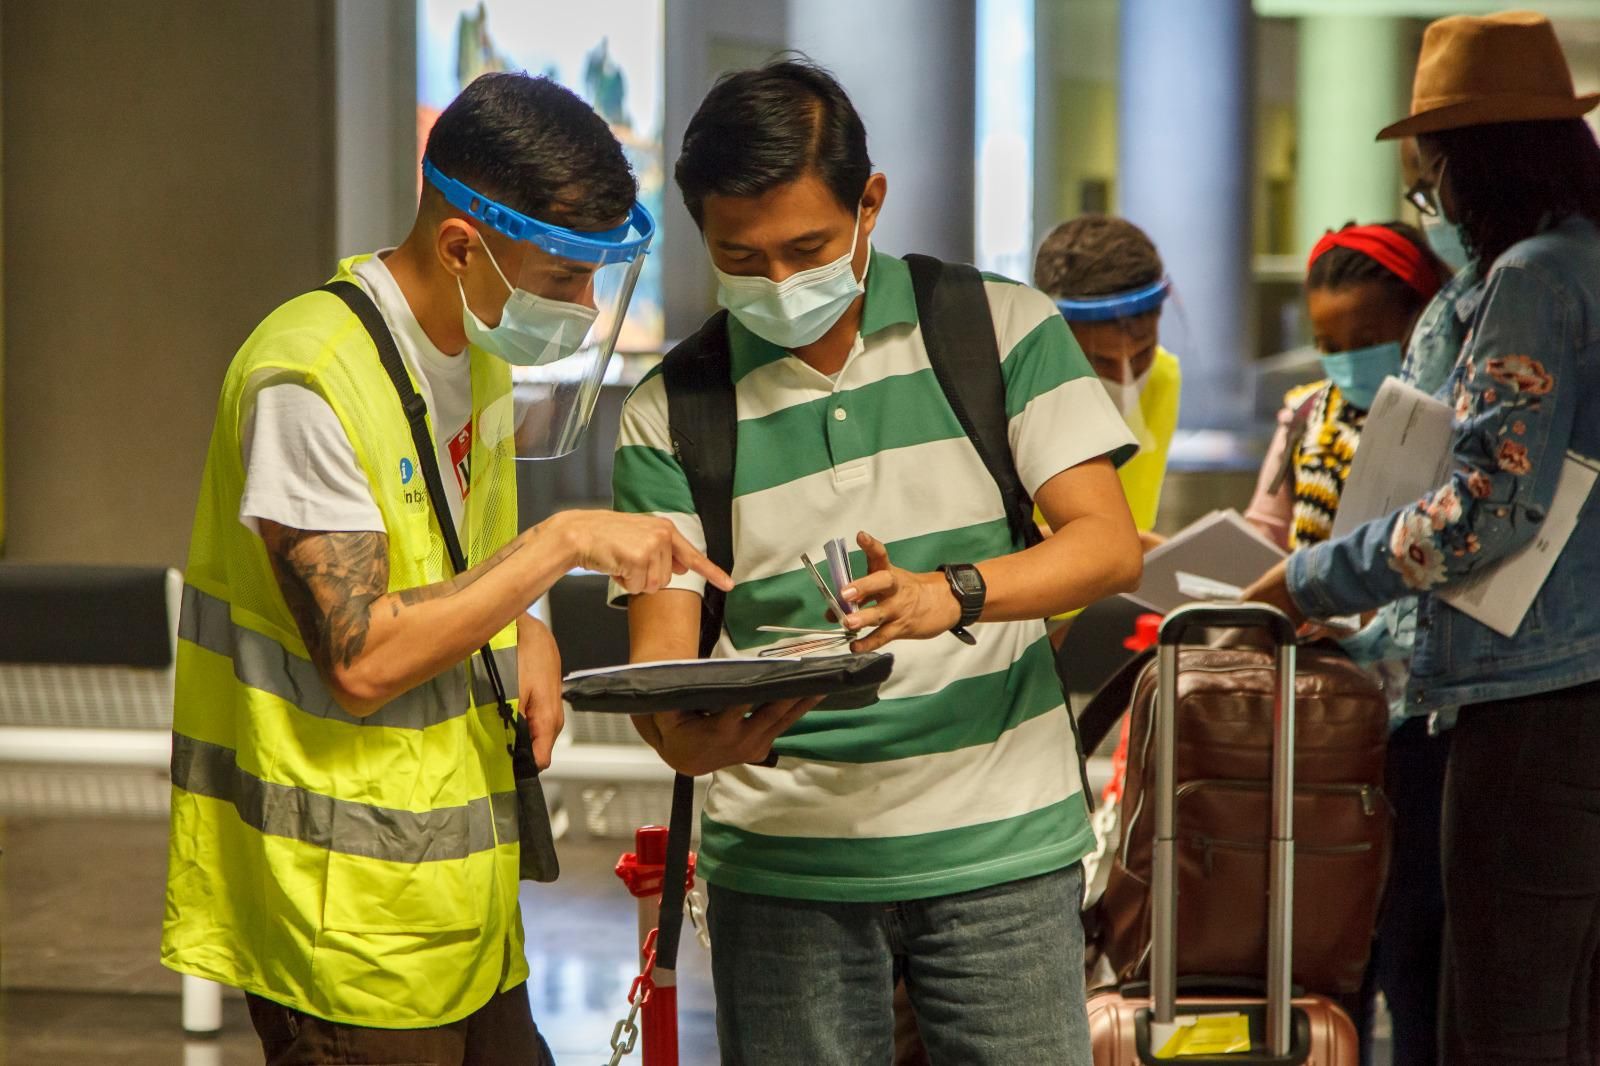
pixel 958 333
pixel 1107 706
pixel 416 410
pixel 704 424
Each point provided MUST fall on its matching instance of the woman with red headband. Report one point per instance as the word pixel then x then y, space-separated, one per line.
pixel 1366 286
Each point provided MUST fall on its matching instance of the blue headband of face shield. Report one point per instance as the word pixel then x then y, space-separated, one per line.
pixel 1117 305
pixel 603 246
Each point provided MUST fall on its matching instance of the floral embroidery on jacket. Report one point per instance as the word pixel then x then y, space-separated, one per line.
pixel 1416 553
pixel 1444 508
pixel 1513 458
pixel 1448 523
pixel 1522 373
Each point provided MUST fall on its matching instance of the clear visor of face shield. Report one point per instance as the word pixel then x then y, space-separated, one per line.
pixel 566 295
pixel 1121 333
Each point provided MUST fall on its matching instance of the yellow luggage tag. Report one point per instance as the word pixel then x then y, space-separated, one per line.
pixel 1203 1034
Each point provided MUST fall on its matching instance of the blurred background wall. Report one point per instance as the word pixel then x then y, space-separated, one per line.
pixel 171 170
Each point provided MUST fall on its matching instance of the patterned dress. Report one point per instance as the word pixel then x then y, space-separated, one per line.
pixel 1320 459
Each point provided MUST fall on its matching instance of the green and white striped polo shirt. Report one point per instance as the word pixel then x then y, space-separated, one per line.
pixel 963 775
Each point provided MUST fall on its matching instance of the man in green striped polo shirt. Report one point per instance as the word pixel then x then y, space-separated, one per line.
pixel 936 835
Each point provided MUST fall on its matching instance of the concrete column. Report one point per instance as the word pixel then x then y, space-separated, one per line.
pixel 375 125
pixel 704 38
pixel 1184 153
pixel 909 66
pixel 1352 84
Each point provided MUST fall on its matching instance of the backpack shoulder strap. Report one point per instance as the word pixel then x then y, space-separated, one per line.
pixel 958 332
pixel 704 425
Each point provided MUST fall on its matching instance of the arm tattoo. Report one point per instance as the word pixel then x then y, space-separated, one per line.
pixel 330 581
pixel 424 593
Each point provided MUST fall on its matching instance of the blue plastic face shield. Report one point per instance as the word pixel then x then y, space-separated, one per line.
pixel 1120 334
pixel 565 297
pixel 1130 304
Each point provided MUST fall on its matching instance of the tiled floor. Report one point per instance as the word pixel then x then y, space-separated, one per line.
pixel 80 915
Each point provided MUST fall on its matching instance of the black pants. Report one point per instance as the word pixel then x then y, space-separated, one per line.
pixel 1409 945
pixel 500 1033
pixel 1522 881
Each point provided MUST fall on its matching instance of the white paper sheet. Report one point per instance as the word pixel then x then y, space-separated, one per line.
pixel 1404 454
pixel 1221 548
pixel 1500 596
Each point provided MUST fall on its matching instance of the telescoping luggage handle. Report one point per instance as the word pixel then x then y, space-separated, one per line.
pixel 1164 887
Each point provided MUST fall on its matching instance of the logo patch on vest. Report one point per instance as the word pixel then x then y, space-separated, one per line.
pixel 407 470
pixel 461 458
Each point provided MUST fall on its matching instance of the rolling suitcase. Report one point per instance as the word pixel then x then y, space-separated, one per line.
pixel 1222 774
pixel 1133 1025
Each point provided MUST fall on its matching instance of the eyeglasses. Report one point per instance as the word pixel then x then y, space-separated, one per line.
pixel 1425 198
pixel 1424 193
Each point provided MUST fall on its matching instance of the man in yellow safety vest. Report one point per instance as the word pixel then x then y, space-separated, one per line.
pixel 344 820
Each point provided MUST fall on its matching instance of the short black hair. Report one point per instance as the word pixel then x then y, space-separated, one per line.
pixel 1095 255
pixel 761 128
pixel 535 146
pixel 1341 268
pixel 1508 180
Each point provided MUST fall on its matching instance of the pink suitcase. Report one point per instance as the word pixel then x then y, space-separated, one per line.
pixel 1285 1031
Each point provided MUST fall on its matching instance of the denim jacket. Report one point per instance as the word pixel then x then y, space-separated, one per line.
pixel 1526 388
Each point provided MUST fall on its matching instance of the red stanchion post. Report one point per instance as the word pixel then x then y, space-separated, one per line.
pixel 642 870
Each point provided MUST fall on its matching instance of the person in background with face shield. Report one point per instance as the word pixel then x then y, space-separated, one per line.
pixel 344 842
pixel 937 835
pixel 1109 284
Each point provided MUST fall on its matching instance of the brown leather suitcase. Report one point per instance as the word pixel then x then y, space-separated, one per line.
pixel 1225 700
pixel 1284 1031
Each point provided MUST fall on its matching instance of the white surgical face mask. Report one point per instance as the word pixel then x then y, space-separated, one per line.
pixel 1126 395
pixel 796 311
pixel 533 329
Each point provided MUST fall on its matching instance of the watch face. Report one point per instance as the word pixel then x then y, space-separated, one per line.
pixel 968 580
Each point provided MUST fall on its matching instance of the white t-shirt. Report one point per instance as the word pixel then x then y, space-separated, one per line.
pixel 300 468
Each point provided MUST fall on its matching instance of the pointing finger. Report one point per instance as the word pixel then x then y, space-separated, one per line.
pixel 690 558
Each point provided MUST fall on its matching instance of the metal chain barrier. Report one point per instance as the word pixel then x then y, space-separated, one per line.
pixel 625 1036
pixel 695 904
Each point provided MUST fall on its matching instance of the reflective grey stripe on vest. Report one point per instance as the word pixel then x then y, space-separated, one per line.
pixel 344 826
pixel 262 663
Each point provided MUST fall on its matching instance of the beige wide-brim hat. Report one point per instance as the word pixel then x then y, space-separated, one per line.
pixel 1475 70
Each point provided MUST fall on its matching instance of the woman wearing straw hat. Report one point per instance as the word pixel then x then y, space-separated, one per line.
pixel 1512 173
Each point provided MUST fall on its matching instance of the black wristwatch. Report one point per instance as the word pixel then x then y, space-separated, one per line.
pixel 970 592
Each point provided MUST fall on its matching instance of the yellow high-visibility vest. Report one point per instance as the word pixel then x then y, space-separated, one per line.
pixel 362 870
pixel 1143 474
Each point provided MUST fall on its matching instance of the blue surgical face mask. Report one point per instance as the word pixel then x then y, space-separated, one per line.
pixel 1360 371
pixel 533 329
pixel 1445 238
pixel 798 310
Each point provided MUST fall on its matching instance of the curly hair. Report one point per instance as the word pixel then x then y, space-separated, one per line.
pixel 1509 180
pixel 1095 255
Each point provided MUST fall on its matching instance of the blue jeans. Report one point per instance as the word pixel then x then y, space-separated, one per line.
pixel 995 976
